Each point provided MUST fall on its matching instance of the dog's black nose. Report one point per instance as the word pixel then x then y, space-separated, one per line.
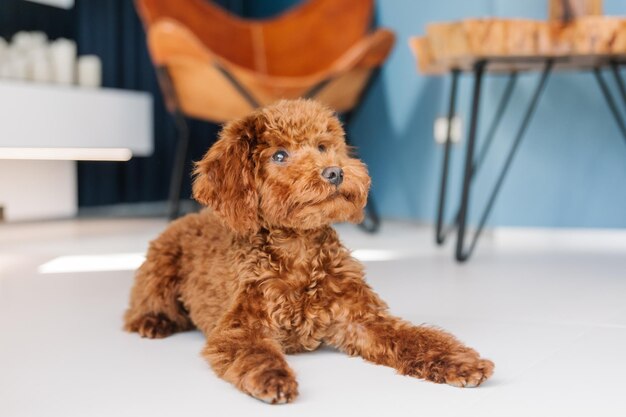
pixel 333 175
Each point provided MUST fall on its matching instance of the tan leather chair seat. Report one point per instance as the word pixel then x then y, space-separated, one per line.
pixel 323 49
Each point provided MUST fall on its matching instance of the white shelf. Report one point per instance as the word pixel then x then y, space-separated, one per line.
pixel 51 116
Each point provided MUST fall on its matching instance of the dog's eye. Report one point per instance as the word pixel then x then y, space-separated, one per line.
pixel 321 148
pixel 280 156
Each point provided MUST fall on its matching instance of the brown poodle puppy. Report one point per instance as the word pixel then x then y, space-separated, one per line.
pixel 262 273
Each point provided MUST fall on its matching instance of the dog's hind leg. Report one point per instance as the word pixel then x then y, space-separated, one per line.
pixel 155 310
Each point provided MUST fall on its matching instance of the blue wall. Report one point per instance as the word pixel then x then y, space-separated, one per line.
pixel 570 169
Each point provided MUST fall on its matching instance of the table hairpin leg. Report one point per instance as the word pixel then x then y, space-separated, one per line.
pixel 609 97
pixel 615 68
pixel 440 233
pixel 463 253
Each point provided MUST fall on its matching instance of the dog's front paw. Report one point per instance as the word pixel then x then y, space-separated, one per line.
pixel 273 386
pixel 466 369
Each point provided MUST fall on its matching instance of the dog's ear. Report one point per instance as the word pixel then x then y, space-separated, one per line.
pixel 225 178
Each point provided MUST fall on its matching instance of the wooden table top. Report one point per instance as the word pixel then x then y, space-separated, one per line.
pixel 516 45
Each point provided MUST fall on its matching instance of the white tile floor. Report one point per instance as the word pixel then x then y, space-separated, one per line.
pixel 547 306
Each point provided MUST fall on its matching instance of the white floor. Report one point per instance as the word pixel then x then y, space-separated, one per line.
pixel 549 307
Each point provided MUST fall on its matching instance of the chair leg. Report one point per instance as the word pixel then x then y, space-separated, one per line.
pixel 182 146
pixel 178 169
pixel 462 253
pixel 371 222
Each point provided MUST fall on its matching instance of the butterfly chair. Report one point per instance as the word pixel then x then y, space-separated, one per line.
pixel 215 66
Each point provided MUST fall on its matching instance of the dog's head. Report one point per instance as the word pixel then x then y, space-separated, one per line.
pixel 283 166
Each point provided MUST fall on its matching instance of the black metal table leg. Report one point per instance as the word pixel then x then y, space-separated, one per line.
pixel 491 133
pixel 615 68
pixel 503 104
pixel 609 97
pixel 463 253
pixel 479 71
pixel 440 236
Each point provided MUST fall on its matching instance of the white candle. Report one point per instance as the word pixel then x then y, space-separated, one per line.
pixel 5 70
pixel 21 40
pixel 42 71
pixel 39 67
pixel 38 39
pixel 18 67
pixel 63 57
pixel 4 49
pixel 89 71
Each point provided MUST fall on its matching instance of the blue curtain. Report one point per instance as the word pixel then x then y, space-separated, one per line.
pixel 111 29
pixel 16 15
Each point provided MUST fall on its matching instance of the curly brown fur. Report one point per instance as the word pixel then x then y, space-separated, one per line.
pixel 262 273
